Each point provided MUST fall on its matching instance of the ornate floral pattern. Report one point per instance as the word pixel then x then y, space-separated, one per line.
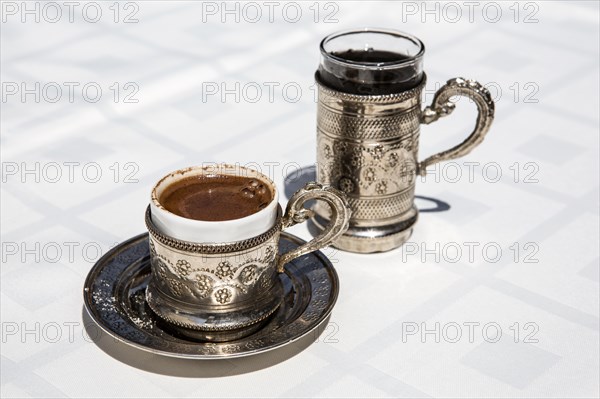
pixel 392 160
pixel 369 174
pixel 381 188
pixel 183 267
pixel 362 169
pixel 224 270
pixel 346 185
pixel 248 274
pixel 204 284
pixel 223 295
pixel 356 159
pixel 377 151
pixel 188 279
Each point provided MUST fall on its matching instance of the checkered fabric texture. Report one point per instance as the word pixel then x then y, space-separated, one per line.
pixel 496 294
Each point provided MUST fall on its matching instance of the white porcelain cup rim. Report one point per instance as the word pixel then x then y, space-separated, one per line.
pixel 199 231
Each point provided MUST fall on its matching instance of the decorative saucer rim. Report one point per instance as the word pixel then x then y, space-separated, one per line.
pixel 317 258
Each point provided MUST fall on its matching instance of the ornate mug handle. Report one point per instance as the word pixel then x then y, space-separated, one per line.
pixel 295 213
pixel 441 106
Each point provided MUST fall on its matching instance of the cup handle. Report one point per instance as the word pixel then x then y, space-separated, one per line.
pixel 441 106
pixel 295 213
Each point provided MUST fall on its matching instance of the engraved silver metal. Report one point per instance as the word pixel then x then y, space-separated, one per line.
pixel 224 291
pixel 114 297
pixel 367 146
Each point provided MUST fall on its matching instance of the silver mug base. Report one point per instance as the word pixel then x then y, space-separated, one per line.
pixel 219 325
pixel 212 336
pixel 369 239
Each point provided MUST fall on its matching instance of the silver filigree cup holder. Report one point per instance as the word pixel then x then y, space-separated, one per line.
pixel 225 291
pixel 368 120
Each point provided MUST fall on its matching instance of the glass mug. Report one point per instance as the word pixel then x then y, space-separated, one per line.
pixel 218 281
pixel 368 117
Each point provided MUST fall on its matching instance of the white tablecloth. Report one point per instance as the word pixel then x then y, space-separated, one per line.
pixel 496 296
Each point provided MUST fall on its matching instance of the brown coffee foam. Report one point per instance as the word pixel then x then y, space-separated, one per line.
pixel 216 197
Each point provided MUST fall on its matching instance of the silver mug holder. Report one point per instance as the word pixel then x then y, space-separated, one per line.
pixel 367 147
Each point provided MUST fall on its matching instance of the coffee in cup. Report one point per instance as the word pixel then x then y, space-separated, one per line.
pixel 216 198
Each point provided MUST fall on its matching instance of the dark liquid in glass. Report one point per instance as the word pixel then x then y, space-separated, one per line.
pixel 373 81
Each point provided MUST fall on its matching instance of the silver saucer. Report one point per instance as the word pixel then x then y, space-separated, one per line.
pixel 114 298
